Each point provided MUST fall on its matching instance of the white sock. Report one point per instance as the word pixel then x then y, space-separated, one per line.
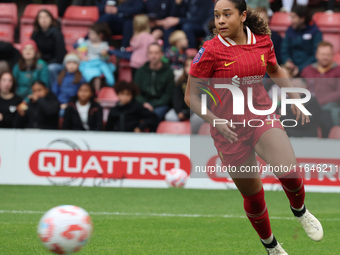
pixel 299 209
pixel 268 240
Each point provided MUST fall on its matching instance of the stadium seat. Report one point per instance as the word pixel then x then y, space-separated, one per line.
pixel 28 17
pixel 329 24
pixel 279 22
pixel 8 21
pixel 174 127
pixel 107 97
pixel 334 133
pixel 337 58
pixel 76 22
pixel 204 129
pixel 124 70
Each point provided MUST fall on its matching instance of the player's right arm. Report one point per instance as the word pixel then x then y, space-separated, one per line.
pixel 193 100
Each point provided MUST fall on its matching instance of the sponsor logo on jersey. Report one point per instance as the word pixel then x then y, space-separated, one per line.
pixel 228 64
pixel 235 81
pixel 198 56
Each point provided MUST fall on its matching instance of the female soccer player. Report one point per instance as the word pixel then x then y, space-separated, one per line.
pixel 243 52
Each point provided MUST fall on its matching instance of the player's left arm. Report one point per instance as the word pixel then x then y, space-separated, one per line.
pixel 280 78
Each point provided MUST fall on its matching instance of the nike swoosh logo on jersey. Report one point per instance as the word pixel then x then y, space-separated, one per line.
pixel 225 64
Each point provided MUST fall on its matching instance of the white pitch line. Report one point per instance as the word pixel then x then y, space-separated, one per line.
pixel 162 215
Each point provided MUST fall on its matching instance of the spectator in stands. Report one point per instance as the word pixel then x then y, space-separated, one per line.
pixel 176 52
pixel 308 129
pixel 118 15
pixel 299 46
pixel 94 55
pixel 9 56
pixel 276 38
pixel 50 42
pixel 129 115
pixel 29 69
pixel 69 81
pixel 41 112
pixel 180 110
pixel 323 82
pixel 155 81
pixel 83 113
pixel 140 42
pixel 191 16
pixel 8 100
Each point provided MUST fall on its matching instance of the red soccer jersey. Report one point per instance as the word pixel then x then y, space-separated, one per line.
pixel 240 65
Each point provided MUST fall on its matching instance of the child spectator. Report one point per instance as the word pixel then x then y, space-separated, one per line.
pixel 180 110
pixel 140 41
pixel 29 69
pixel 94 55
pixel 42 111
pixel 69 81
pixel 83 113
pixel 50 42
pixel 176 53
pixel 8 100
pixel 129 115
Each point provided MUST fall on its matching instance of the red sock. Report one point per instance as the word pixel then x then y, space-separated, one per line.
pixel 292 184
pixel 257 213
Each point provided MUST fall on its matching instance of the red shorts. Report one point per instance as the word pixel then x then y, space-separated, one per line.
pixel 234 154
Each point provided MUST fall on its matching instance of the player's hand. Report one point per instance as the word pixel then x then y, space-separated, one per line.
pixel 296 111
pixel 226 131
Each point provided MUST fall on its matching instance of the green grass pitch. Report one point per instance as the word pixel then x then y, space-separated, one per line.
pixel 164 221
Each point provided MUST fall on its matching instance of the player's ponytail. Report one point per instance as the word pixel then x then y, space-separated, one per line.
pixel 254 21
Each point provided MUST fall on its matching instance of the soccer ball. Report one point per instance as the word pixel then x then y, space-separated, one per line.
pixel 176 177
pixel 65 229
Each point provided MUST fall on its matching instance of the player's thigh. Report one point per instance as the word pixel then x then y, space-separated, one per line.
pixel 247 183
pixel 275 149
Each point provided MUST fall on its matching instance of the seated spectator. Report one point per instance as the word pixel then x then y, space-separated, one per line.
pixel 129 115
pixel 176 52
pixel 83 113
pixel 190 16
pixel 94 55
pixel 8 100
pixel 308 129
pixel 118 15
pixel 9 56
pixel 180 110
pixel 50 42
pixel 29 69
pixel 155 81
pixel 69 81
pixel 299 46
pixel 275 36
pixel 41 112
pixel 140 42
pixel 323 82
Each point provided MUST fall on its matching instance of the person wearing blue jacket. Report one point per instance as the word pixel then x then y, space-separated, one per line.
pixel 299 46
pixel 69 81
pixel 118 15
pixel 190 16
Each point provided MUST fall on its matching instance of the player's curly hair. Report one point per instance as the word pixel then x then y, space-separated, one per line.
pixel 254 21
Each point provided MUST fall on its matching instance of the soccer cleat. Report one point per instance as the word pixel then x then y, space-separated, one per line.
pixel 274 248
pixel 311 225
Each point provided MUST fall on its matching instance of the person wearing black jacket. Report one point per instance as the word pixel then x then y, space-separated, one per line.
pixel 82 113
pixel 50 42
pixel 118 15
pixel 9 54
pixel 129 115
pixel 41 112
pixel 190 16
pixel 8 100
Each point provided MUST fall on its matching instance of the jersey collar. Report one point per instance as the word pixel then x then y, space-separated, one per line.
pixel 229 42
